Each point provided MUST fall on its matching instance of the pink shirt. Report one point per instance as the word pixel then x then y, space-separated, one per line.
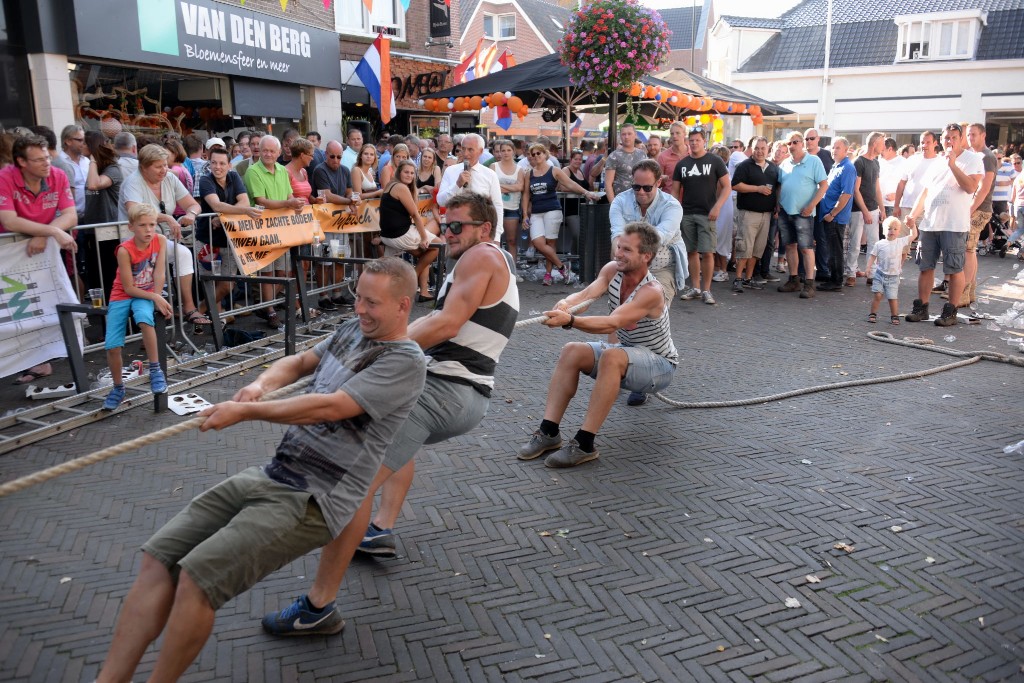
pixel 54 194
pixel 668 160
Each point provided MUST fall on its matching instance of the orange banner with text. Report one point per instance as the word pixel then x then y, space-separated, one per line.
pixel 258 242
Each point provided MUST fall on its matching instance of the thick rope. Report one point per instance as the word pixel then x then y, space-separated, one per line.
pixel 969 358
pixel 542 318
pixel 145 440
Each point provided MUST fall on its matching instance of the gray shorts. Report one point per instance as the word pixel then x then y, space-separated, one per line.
pixel 647 371
pixel 444 410
pixel 699 233
pixel 242 529
pixel 952 246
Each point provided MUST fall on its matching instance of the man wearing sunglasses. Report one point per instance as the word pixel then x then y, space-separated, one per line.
pixel 463 338
pixel 644 359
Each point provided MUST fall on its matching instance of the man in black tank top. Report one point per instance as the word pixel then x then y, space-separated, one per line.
pixel 645 360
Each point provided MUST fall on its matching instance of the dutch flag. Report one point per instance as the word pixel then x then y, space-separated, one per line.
pixel 374 71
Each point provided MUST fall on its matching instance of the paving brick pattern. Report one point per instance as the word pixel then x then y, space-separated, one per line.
pixel 670 558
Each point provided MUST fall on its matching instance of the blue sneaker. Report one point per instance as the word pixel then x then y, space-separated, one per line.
pixel 300 619
pixel 378 542
pixel 636 398
pixel 157 381
pixel 114 398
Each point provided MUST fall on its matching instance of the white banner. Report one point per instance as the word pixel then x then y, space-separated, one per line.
pixel 30 289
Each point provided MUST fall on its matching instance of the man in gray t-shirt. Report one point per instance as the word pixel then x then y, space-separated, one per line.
pixel 366 379
pixel 981 209
pixel 618 168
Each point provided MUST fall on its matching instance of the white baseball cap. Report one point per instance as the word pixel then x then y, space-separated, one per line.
pixel 214 141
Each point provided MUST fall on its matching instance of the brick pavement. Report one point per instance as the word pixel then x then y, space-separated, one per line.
pixel 683 542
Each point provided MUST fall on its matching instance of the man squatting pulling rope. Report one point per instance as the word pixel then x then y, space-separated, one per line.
pixel 644 360
pixel 349 434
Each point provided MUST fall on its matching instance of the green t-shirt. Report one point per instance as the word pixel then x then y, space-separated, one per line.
pixel 259 182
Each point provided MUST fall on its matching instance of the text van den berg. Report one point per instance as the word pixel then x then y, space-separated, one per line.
pixel 203 22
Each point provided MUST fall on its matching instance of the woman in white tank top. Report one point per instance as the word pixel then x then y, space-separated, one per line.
pixel 512 180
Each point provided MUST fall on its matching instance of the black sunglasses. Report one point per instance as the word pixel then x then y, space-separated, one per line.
pixel 810 138
pixel 455 227
pixel 645 188
pixel 333 156
pixel 163 209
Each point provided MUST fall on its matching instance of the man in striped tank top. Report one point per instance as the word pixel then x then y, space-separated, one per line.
pixel 644 360
pixel 462 338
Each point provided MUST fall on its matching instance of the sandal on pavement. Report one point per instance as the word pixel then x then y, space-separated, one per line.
pixel 894 320
pixel 196 318
pixel 273 320
pixel 32 375
pixel 872 317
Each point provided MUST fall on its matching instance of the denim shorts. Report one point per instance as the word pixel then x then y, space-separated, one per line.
pixel 795 227
pixel 242 529
pixel 512 213
pixel 952 246
pixel 647 372
pixel 889 285
pixel 444 410
pixel 117 319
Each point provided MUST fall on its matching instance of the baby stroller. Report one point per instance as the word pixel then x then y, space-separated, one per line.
pixel 993 238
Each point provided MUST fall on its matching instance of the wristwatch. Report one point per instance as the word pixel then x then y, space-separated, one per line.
pixel 568 325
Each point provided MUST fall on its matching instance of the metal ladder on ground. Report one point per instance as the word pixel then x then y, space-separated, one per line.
pixel 35 424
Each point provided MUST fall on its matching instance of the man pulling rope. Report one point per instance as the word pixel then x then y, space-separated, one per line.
pixel 644 360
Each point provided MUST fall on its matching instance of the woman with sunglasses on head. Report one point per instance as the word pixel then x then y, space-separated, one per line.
pixel 542 210
pixel 302 155
pixel 512 181
pixel 401 226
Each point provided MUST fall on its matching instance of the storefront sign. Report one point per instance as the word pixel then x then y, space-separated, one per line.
pixel 418 86
pixel 440 19
pixel 204 35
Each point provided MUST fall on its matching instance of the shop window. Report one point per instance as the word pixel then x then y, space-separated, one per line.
pixel 114 98
pixel 351 18
pixel 939 36
pixel 500 26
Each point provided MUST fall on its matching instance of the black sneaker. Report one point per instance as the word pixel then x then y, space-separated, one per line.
pixel 378 542
pixel 948 316
pixel 300 619
pixel 325 304
pixel 938 289
pixel 737 286
pixel 919 313
pixel 753 284
pixel 636 398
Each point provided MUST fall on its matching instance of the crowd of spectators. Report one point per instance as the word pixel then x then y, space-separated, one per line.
pixel 738 208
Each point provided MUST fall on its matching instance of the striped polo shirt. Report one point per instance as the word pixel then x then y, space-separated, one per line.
pixel 653 334
pixel 471 356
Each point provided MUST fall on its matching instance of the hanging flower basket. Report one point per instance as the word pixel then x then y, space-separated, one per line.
pixel 609 44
